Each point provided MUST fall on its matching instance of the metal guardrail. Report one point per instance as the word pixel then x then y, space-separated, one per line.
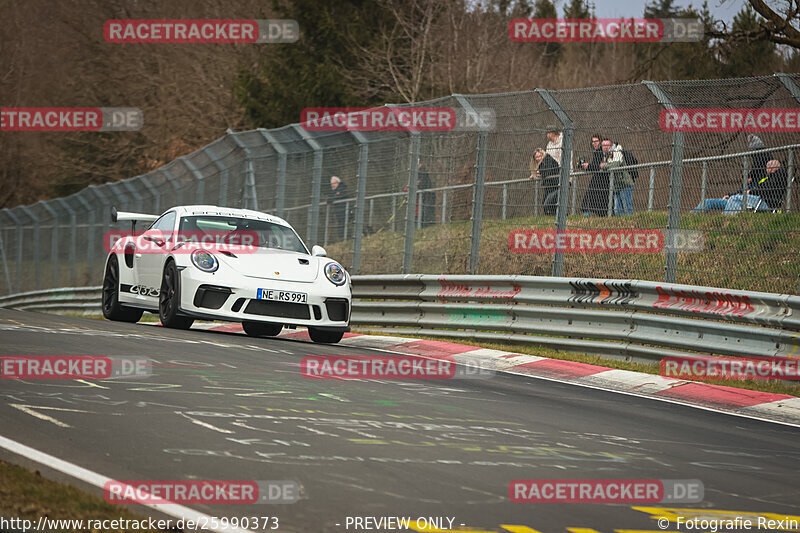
pixel 70 300
pixel 621 319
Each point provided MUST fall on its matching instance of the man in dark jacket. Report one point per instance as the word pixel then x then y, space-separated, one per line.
pixel 595 201
pixel 765 194
pixel 338 191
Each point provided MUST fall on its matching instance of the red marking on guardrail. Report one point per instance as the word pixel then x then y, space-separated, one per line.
pixel 717 303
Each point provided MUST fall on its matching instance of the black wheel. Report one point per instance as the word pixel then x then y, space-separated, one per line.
pixel 325 337
pixel 261 329
pixel 112 309
pixel 169 300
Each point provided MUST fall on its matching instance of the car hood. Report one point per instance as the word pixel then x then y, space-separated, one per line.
pixel 274 264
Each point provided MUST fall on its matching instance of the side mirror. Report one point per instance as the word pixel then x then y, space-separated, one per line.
pixel 318 251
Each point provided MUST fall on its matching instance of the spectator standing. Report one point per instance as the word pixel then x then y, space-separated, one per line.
pixel 545 168
pixel 338 191
pixel 428 198
pixel 623 181
pixel 595 201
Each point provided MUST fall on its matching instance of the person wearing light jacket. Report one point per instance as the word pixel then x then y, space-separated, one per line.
pixel 623 182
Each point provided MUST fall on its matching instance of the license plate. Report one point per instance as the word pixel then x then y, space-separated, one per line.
pixel 282 296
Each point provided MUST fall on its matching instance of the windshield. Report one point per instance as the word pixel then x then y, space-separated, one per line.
pixel 269 235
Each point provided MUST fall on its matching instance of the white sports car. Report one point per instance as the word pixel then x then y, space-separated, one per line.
pixel 221 263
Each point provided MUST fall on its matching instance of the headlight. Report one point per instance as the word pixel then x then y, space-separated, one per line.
pixel 335 273
pixel 205 261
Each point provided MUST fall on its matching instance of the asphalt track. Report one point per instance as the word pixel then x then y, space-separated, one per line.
pixel 226 406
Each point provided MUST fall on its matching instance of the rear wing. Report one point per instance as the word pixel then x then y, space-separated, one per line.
pixel 121 216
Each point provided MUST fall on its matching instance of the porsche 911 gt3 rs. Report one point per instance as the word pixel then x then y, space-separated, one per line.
pixel 219 263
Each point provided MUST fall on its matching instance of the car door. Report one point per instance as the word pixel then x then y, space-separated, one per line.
pixel 155 244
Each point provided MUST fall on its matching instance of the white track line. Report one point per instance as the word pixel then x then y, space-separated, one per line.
pixel 98 480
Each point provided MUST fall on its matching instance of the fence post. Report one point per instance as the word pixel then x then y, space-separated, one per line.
pixel 745 166
pixel 789 179
pixel 89 233
pixel 563 183
pixel 36 236
pixel 652 188
pixel 153 192
pixel 53 241
pixel 480 180
pixel 250 195
pixel 444 206
pixel 73 240
pixel 174 184
pixel 794 90
pixel 610 193
pixel 132 191
pixel 703 185
pixel 201 184
pixel 394 213
pixel 4 251
pixel 316 180
pixel 18 261
pixel 411 204
pixel 280 183
pixel 675 188
pixel 505 200
pixel 223 175
pixel 361 193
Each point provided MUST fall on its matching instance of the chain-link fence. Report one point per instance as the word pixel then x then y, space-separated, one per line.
pixel 463 201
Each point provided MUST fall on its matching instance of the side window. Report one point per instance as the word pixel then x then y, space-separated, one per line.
pixel 166 223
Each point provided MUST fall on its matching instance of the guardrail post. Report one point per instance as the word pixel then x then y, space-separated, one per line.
pixel 18 261
pixel 675 188
pixel 73 241
pixel 89 234
pixel 563 182
pixel 249 194
pixel 223 175
pixel 480 180
pixel 280 183
pixel 361 193
pixel 316 180
pixel 652 188
pixel 411 204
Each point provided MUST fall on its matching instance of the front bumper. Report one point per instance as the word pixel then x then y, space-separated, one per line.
pixel 233 298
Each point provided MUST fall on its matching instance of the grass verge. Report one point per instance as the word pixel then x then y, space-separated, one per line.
pixel 28 495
